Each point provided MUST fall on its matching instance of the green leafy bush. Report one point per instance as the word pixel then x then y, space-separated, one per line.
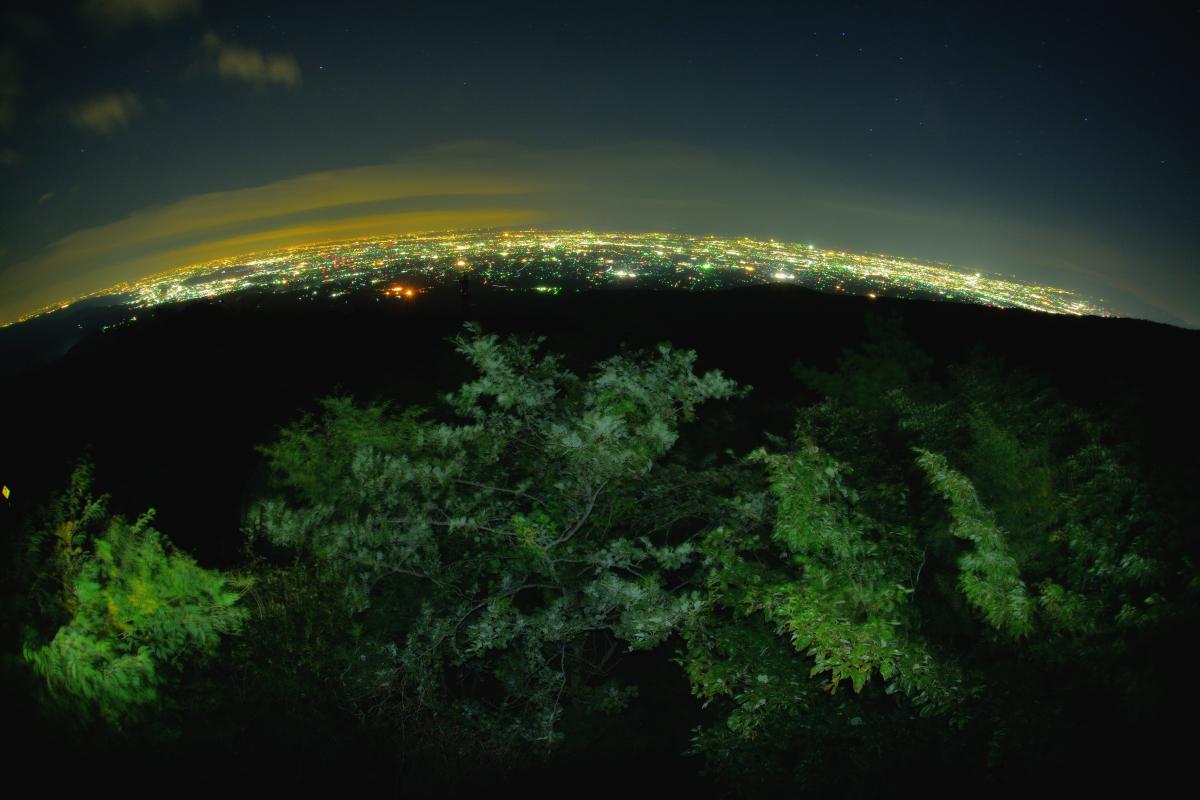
pixel 496 563
pixel 120 612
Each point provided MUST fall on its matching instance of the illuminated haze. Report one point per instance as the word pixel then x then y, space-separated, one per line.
pixel 990 145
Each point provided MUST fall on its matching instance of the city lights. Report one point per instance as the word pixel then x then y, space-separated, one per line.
pixel 558 261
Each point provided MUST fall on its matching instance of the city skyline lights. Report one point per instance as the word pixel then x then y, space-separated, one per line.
pixel 574 260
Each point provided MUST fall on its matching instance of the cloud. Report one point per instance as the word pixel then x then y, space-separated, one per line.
pixel 637 187
pixel 9 157
pixel 122 13
pixel 45 198
pixel 104 113
pixel 415 194
pixel 251 65
pixel 246 64
pixel 60 284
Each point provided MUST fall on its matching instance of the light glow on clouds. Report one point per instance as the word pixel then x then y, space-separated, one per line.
pixel 637 187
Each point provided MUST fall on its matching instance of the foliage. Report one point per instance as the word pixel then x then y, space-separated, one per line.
pixel 919 555
pixel 127 612
pixel 926 537
pixel 495 564
pixel 313 458
pixel 989 576
pixel 951 561
pixel 826 592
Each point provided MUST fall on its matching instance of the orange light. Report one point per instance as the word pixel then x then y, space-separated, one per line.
pixel 409 292
pixel 460 263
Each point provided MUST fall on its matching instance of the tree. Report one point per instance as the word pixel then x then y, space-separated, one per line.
pixel 117 612
pixel 953 547
pixel 906 574
pixel 494 564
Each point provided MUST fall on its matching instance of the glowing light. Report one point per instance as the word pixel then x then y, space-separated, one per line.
pixel 533 260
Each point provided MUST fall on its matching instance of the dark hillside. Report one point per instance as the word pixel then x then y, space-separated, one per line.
pixel 170 408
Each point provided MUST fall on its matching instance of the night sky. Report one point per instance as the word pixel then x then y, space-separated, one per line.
pixel 137 135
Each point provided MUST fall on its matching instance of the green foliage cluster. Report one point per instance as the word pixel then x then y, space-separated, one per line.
pixel 908 565
pixel 496 563
pixel 954 540
pixel 989 575
pixel 117 611
pixel 913 538
pixel 1044 553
